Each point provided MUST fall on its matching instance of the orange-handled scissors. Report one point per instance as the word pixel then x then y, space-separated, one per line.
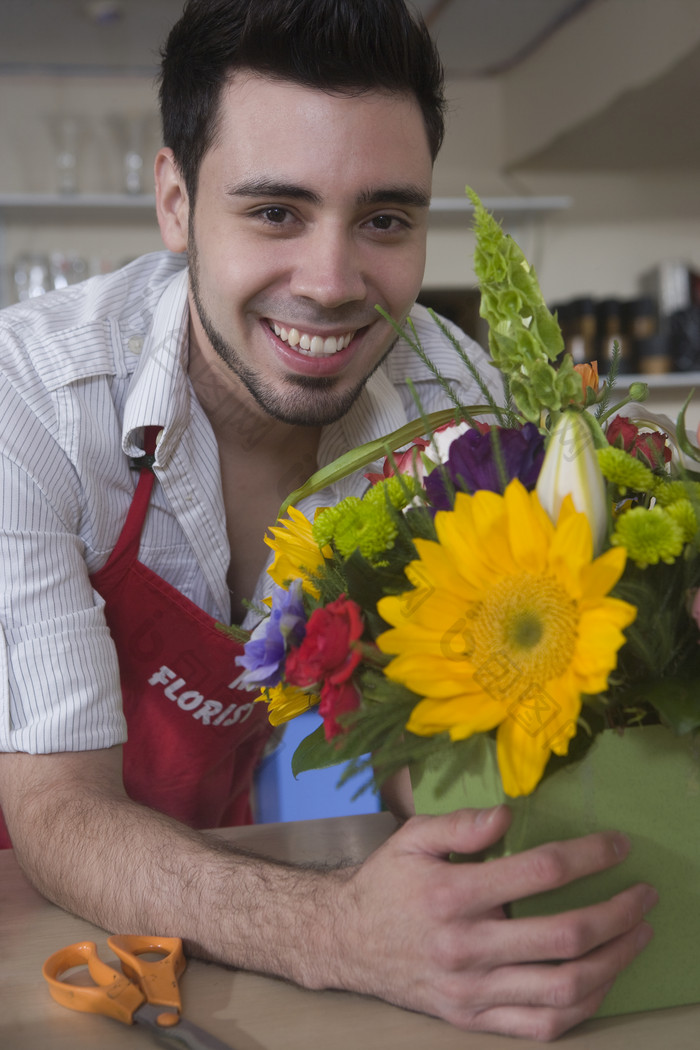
pixel 145 992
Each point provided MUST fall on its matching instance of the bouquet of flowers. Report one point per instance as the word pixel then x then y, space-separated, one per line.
pixel 526 571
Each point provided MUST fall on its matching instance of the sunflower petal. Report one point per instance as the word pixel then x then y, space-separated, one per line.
pixel 461 715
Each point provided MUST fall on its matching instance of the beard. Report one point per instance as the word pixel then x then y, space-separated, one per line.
pixel 303 401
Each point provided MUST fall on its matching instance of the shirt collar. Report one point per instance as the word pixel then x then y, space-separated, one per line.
pixel 159 392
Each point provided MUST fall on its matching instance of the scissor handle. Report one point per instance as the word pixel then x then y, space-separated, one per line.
pixel 158 978
pixel 113 993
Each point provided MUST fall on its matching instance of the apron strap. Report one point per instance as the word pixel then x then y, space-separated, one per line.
pixel 130 537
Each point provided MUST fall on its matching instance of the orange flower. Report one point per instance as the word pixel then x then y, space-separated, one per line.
pixel 589 376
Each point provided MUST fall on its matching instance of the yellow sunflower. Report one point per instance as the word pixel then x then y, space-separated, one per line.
pixel 508 623
pixel 285 702
pixel 296 552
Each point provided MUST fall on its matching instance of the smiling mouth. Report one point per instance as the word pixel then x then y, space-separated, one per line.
pixel 312 345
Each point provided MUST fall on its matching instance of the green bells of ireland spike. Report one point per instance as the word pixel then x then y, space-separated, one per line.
pixel 524 337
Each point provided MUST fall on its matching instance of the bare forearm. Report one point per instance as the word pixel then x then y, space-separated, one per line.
pixel 129 869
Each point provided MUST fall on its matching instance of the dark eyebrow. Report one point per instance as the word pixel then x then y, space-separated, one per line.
pixel 410 196
pixel 272 188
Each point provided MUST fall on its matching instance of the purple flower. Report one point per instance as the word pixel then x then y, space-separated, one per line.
pixel 473 465
pixel 265 652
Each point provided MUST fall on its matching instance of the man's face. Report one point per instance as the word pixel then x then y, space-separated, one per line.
pixel 311 209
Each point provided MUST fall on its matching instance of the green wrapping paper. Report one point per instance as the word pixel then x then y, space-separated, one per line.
pixel 645 782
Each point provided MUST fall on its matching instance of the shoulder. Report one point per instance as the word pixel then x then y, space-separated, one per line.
pixel 82 330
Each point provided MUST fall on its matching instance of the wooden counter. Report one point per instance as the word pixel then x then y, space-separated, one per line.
pixel 257 1013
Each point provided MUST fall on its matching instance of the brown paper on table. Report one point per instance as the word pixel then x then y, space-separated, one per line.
pixel 645 782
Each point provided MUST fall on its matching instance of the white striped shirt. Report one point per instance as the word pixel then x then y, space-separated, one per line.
pixel 82 371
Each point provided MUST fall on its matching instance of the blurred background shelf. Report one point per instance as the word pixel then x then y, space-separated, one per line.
pixel 41 202
pixel 667 381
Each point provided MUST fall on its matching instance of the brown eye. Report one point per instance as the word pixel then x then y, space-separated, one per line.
pixel 383 222
pixel 276 215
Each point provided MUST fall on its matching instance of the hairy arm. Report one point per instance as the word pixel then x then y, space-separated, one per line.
pixel 407 925
pixel 89 848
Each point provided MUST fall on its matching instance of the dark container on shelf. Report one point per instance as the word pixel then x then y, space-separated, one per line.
pixel 649 350
pixel 581 329
pixel 682 336
pixel 611 331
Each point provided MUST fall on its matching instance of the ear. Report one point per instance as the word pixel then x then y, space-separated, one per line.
pixel 172 202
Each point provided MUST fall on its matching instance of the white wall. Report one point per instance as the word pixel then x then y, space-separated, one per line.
pixel 624 220
pixel 27 164
pixel 621 223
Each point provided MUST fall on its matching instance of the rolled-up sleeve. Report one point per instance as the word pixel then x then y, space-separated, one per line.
pixel 59 685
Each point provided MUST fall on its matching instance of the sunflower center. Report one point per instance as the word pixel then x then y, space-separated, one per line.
pixel 525 630
pixel 531 622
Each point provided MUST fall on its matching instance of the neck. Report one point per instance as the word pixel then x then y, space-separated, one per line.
pixel 258 453
pixel 236 418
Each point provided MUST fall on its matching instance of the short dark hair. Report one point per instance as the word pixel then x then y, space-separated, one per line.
pixel 344 46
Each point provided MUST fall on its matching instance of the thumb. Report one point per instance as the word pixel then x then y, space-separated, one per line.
pixel 463 831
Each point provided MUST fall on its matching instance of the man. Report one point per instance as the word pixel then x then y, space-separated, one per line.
pixel 300 136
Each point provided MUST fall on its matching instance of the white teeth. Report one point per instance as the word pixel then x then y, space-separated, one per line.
pixel 312 345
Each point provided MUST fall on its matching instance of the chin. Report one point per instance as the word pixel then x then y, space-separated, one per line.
pixel 313 403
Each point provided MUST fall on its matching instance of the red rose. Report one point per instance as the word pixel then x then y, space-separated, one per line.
pixel 336 700
pixel 649 446
pixel 327 658
pixel 408 462
pixel 622 433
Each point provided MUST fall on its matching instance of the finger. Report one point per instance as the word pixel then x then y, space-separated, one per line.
pixel 548 866
pixel 542 1002
pixel 540 1023
pixel 567 935
pixel 463 831
pixel 566 984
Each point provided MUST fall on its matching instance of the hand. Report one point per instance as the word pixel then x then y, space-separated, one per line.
pixel 431 935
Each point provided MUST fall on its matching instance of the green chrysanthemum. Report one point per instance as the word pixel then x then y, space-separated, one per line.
pixel 367 524
pixel 683 513
pixel 668 492
pixel 398 490
pixel 649 536
pixel 624 470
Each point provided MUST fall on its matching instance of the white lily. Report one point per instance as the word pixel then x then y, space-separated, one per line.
pixel 571 468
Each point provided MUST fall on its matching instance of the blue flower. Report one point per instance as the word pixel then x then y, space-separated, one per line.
pixel 265 652
pixel 472 464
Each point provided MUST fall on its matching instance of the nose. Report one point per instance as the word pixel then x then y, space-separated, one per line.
pixel 328 268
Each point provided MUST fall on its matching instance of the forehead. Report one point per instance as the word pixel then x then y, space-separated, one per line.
pixel 274 125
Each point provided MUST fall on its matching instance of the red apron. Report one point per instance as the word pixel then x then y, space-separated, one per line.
pixel 193 742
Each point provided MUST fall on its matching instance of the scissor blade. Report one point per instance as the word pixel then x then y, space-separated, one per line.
pixel 184 1033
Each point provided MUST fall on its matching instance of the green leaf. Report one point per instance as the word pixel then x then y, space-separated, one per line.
pixel 678 702
pixel 681 436
pixel 367 583
pixel 314 752
pixel 235 632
